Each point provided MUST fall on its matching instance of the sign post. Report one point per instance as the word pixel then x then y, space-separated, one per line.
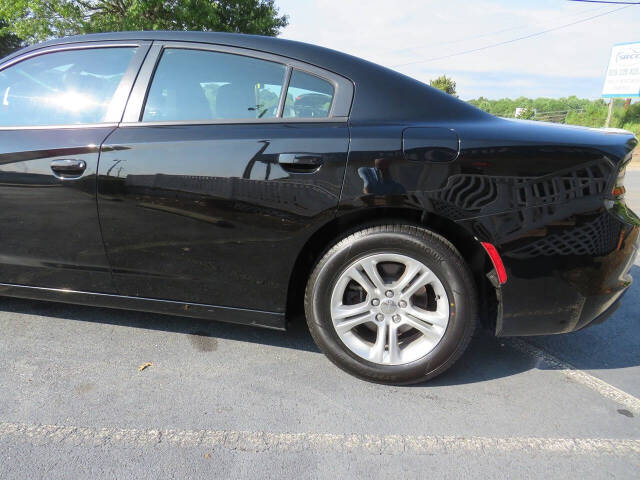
pixel 609 113
pixel 623 74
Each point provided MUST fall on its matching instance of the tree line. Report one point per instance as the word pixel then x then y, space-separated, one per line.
pixel 570 110
pixel 31 21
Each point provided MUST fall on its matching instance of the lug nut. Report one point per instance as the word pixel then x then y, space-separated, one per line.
pixel 375 302
pixel 402 304
pixel 389 293
pixel 396 318
pixel 379 317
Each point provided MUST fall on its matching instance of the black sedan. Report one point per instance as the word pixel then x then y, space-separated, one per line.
pixel 248 179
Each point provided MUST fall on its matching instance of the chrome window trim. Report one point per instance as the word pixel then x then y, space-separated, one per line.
pixel 284 91
pixel 120 97
pixel 240 121
pixel 69 46
pixel 61 126
pixel 340 106
pixel 134 109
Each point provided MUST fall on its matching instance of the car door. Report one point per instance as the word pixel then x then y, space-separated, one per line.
pixel 224 163
pixel 57 105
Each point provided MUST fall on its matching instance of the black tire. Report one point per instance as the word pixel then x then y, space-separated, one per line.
pixel 435 252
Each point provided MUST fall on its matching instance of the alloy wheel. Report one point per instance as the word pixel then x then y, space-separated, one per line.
pixel 389 308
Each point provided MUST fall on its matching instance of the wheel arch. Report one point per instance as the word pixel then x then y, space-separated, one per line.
pixel 343 225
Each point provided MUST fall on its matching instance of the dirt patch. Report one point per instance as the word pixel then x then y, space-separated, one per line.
pixel 202 342
pixel 84 388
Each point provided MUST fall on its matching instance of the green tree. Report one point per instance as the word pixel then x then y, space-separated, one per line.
pixel 8 42
pixel 527 113
pixel 571 110
pixel 445 84
pixel 632 114
pixel 37 20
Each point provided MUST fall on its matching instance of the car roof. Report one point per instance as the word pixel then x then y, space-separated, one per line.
pixel 381 94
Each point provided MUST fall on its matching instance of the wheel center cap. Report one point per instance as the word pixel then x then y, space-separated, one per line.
pixel 388 307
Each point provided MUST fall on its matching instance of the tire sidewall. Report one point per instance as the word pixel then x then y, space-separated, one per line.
pixel 438 257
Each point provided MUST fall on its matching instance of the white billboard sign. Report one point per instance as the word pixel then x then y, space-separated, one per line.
pixel 623 74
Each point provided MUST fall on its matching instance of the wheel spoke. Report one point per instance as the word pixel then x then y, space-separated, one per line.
pixel 348 325
pixel 377 351
pixel 436 318
pixel 356 275
pixel 394 348
pixel 431 333
pixel 420 281
pixel 345 311
pixel 410 271
pixel 370 266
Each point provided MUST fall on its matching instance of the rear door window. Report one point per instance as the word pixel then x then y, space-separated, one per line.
pixel 200 85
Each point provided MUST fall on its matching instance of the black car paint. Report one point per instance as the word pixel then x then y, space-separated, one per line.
pixel 50 230
pixel 233 199
pixel 210 220
pixel 507 187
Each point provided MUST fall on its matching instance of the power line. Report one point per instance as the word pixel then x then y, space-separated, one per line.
pixel 486 47
pixel 489 34
pixel 603 1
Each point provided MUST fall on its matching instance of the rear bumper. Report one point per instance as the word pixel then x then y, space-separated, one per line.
pixel 564 292
pixel 588 322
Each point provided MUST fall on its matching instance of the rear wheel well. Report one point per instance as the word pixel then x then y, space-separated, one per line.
pixel 343 225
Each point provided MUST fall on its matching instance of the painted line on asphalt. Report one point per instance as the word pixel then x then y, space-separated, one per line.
pixel 255 442
pixel 579 376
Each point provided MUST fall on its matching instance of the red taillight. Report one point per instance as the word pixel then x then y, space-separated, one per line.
pixel 618 191
pixel 497 262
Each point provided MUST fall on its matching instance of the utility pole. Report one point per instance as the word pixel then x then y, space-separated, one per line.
pixel 609 113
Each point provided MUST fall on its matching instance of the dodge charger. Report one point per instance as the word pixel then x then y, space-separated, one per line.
pixel 258 180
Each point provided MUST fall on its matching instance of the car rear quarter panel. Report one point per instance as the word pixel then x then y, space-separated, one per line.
pixel 537 192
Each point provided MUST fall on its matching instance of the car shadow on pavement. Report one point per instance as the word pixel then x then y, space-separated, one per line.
pixel 613 344
pixel 616 341
pixel 296 337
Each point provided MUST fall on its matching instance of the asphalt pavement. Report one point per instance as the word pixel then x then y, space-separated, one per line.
pixel 228 401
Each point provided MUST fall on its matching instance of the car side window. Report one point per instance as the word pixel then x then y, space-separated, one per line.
pixel 308 96
pixel 63 87
pixel 200 85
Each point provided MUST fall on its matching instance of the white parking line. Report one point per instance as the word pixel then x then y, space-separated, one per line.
pixel 254 442
pixel 603 388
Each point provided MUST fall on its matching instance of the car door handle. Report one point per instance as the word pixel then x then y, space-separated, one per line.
pixel 300 162
pixel 68 167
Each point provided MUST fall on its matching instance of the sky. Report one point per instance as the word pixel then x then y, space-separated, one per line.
pixel 396 33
